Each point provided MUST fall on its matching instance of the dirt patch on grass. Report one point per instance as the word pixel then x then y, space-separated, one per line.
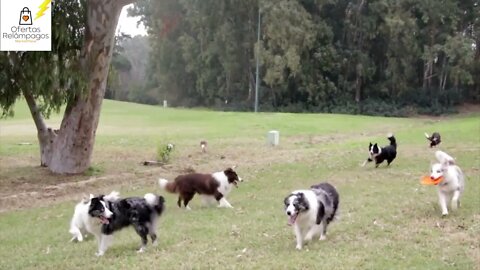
pixel 31 185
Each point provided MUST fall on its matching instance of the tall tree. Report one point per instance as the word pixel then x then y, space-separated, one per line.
pixel 317 55
pixel 44 80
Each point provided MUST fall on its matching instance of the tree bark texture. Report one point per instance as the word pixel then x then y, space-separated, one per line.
pixel 73 145
pixel 69 150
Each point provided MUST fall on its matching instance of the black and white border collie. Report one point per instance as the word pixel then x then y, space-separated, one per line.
pixel 141 213
pixel 379 154
pixel 435 139
pixel 212 187
pixel 311 210
pixel 82 223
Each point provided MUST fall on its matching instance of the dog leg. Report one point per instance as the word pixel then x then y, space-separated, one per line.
pixel 142 231
pixel 207 200
pixel 315 229
pixel 455 202
pixel 187 197
pixel 77 234
pixel 152 227
pixel 366 161
pixel 442 198
pixel 323 230
pixel 298 235
pixel 224 203
pixel 104 243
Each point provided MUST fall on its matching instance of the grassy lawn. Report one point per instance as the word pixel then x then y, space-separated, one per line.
pixel 387 219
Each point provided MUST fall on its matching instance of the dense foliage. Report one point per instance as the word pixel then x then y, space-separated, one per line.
pixel 52 78
pixel 391 57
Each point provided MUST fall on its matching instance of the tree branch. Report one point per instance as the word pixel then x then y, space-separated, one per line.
pixel 35 111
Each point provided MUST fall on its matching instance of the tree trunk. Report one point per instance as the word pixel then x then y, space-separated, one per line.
pixel 358 83
pixel 73 145
pixel 46 136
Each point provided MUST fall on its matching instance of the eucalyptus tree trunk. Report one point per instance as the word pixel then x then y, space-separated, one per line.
pixel 70 149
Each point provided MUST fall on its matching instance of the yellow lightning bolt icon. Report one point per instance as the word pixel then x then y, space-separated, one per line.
pixel 43 7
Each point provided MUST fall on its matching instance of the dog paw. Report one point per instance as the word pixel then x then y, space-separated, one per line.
pixel 323 237
pixel 99 254
pixel 299 247
pixel 454 206
pixel 445 214
pixel 141 250
pixel 307 238
pixel 155 243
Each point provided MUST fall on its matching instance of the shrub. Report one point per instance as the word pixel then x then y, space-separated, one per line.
pixel 165 152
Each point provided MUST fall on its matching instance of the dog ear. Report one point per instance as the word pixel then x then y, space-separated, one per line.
pixel 285 201
pixel 91 196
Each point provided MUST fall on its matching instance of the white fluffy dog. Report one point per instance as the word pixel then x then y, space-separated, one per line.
pixel 453 183
pixel 82 223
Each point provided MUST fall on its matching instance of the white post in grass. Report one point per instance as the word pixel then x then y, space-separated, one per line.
pixel 273 137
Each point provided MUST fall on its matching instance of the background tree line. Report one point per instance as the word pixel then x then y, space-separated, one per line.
pixel 389 57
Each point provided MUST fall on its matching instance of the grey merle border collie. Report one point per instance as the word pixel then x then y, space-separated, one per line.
pixel 379 154
pixel 311 210
pixel 141 213
pixel 212 187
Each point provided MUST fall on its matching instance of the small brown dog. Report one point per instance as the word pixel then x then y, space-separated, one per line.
pixel 435 139
pixel 203 145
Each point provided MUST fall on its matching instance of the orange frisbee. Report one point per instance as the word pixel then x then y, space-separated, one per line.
pixel 426 180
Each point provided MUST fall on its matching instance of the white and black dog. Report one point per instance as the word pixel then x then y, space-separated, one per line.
pixel 379 154
pixel 82 223
pixel 311 210
pixel 453 183
pixel 212 187
pixel 104 215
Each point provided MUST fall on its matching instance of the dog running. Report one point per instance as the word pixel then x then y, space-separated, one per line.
pixel 379 154
pixel 452 182
pixel 215 186
pixel 310 211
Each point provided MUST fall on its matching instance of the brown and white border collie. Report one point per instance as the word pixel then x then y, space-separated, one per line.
pixel 211 186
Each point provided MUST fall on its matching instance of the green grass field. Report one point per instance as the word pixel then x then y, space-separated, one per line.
pixel 387 219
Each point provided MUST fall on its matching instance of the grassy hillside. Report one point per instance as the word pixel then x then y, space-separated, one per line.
pixel 387 219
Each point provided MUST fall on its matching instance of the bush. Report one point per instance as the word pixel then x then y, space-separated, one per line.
pixel 165 152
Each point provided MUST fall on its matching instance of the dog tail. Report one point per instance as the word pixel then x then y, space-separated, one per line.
pixel 167 186
pixel 444 158
pixel 392 140
pixel 113 196
pixel 427 136
pixel 155 202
